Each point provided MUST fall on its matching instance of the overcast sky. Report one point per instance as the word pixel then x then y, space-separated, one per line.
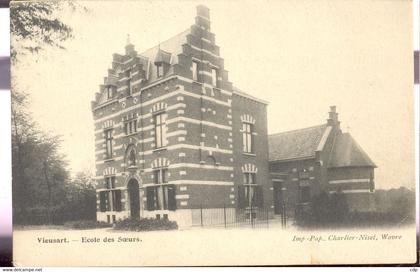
pixel 300 56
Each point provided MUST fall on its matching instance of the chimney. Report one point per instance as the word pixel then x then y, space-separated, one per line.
pixel 333 117
pixel 203 17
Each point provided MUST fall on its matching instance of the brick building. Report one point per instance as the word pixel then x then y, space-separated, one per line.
pixel 173 135
pixel 308 161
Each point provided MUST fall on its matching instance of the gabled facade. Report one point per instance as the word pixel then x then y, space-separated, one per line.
pixel 172 135
pixel 306 162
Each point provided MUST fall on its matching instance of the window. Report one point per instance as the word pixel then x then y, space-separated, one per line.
pixel 249 181
pixel 130 127
pixel 109 92
pixel 160 130
pixel 108 143
pixel 247 137
pixel 110 199
pixel 195 70
pixel 250 193
pixel 160 196
pixel 159 69
pixel 110 182
pixel 214 75
pixel 103 201
pixel 161 191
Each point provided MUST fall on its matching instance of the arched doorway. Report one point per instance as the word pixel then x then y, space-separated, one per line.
pixel 134 198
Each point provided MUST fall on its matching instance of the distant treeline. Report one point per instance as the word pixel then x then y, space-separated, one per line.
pixel 393 207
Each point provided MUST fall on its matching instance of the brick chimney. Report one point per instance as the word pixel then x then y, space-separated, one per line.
pixel 203 17
pixel 333 117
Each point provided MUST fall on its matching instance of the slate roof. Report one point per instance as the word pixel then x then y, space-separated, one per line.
pixel 162 56
pixel 168 50
pixel 295 144
pixel 348 153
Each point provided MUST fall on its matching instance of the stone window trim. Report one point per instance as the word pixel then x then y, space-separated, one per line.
pixel 247 118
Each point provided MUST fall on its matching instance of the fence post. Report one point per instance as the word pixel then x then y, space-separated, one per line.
pixel 201 214
pixel 252 216
pixel 224 213
pixel 267 211
pixel 283 215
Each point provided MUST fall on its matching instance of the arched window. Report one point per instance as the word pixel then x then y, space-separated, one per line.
pixel 250 193
pixel 160 195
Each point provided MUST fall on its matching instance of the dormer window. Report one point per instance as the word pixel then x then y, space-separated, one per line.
pixel 109 92
pixel 159 69
pixel 162 62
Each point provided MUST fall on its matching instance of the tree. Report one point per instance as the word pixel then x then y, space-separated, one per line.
pixel 36 24
pixel 39 171
pixel 81 197
pixel 23 145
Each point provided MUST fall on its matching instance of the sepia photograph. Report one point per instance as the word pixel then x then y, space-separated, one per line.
pixel 212 133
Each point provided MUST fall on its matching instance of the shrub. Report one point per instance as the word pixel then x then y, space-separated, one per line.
pixel 87 224
pixel 145 224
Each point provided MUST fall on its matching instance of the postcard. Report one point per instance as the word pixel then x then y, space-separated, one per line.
pixel 204 133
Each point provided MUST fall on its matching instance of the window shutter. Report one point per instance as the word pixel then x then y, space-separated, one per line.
pixel 171 197
pixel 102 200
pixel 117 201
pixel 241 197
pixel 150 195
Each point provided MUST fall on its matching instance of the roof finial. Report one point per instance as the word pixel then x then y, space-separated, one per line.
pixel 128 39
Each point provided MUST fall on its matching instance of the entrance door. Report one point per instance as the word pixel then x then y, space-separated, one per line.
pixel 133 192
pixel 278 197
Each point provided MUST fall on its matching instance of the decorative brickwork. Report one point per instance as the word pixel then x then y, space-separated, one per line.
pixel 196 145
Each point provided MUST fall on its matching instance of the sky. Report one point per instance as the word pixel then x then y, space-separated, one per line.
pixel 301 56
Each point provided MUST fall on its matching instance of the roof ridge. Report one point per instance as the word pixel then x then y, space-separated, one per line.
pixel 296 130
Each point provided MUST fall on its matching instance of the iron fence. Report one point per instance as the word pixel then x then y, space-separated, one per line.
pixel 254 217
